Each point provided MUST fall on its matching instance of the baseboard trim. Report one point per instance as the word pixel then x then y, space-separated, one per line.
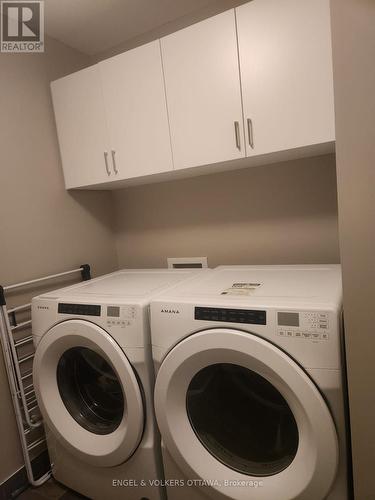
pixel 14 485
pixel 18 482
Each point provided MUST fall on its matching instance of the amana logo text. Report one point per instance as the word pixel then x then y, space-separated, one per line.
pixel 170 311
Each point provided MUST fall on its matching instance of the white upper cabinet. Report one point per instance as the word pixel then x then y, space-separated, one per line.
pixel 286 74
pixel 81 128
pixel 136 110
pixel 249 82
pixel 203 92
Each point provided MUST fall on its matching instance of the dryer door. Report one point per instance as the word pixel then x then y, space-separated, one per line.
pixel 88 393
pixel 236 411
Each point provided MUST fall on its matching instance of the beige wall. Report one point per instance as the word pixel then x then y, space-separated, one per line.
pixel 282 213
pixel 353 23
pixel 43 229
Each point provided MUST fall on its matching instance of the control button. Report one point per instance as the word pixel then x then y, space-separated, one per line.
pixel 306 335
pixel 324 336
pixel 298 335
pixel 315 336
pixel 281 333
pixel 289 333
pixel 323 326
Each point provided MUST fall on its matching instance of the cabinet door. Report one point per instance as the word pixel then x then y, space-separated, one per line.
pixel 203 92
pixel 134 97
pixel 286 73
pixel 81 128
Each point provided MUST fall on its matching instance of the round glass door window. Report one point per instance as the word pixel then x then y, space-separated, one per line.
pixel 242 419
pixel 90 390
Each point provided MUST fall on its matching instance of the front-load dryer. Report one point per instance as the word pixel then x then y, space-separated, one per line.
pixel 94 379
pixel 250 391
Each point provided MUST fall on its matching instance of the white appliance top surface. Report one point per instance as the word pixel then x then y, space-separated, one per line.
pixel 128 283
pixel 267 285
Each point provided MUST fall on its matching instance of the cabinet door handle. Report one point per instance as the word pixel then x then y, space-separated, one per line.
pixel 250 132
pixel 237 133
pixel 106 163
pixel 113 152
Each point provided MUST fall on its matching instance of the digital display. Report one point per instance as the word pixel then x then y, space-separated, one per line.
pixel 113 311
pixel 288 319
pixel 247 316
pixel 79 309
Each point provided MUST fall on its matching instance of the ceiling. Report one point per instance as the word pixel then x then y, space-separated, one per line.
pixel 94 26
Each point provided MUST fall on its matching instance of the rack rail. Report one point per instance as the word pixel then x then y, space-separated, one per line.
pixel 25 404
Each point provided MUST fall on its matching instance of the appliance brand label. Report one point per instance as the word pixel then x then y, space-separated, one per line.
pixel 170 311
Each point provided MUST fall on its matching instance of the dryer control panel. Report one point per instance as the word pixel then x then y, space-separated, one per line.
pixel 312 325
pixel 247 316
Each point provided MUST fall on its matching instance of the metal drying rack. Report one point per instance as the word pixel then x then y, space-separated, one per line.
pixel 21 383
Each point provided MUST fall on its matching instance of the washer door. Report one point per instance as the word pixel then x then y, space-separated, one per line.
pixel 236 411
pixel 88 393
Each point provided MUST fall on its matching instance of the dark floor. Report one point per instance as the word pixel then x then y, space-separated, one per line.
pixel 51 490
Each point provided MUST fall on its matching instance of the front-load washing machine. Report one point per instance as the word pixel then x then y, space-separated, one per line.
pixel 250 385
pixel 93 378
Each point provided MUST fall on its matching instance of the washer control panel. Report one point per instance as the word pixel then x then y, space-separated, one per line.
pixel 79 309
pixel 112 315
pixel 120 316
pixel 311 325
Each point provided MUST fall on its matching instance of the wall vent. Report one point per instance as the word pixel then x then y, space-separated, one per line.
pixel 187 262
